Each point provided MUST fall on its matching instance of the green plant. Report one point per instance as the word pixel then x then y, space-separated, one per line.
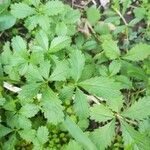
pixel 76 79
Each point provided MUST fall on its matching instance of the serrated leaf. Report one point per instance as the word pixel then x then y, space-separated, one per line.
pixel 66 93
pixel 10 143
pixel 21 10
pixel 114 67
pixel 42 39
pixel 93 15
pixel 28 134
pixel 78 134
pixel 52 8
pixel 33 74
pixel 51 107
pixel 42 134
pixel 18 44
pixel 6 21
pixel 59 43
pixel 61 29
pixel 139 109
pixel 110 48
pixel 4 131
pixel 144 127
pixel 100 136
pixel 102 86
pixel 81 104
pixel 60 72
pixel 73 145
pixel 29 110
pixel 2 101
pixel 45 69
pixel 101 113
pixel 29 91
pixel 23 122
pixel 132 137
pixel 6 54
pixel 77 62
pixel 72 16
pixel 31 22
pixel 138 52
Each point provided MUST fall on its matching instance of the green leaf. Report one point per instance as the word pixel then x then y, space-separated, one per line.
pixel 42 39
pixel 93 15
pixel 60 72
pixel 18 44
pixel 6 21
pixel 77 62
pixel 29 110
pixel 44 69
pixel 131 136
pixel 66 93
pixel 21 10
pixel 4 131
pixel 138 52
pixel 29 91
pixel 139 109
pixel 28 134
pixel 10 143
pixel 33 74
pixel 23 122
pixel 42 134
pixel 2 101
pixel 61 29
pixel 81 104
pixel 78 134
pixel 53 8
pixel 6 54
pixel 51 107
pixel 31 22
pixel 100 136
pixel 102 87
pixel 59 43
pixel 114 67
pixel 73 145
pixel 72 16
pixel 100 113
pixel 110 48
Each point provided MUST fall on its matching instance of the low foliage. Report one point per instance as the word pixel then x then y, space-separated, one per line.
pixel 75 79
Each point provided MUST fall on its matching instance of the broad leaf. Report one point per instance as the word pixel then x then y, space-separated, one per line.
pixel 4 131
pixel 60 72
pixel 21 10
pixel 103 87
pixel 77 62
pixel 139 109
pixel 29 110
pixel 53 8
pixel 73 145
pixel 42 134
pixel 131 136
pixel 93 15
pixel 81 104
pixel 51 107
pixel 29 91
pixel 138 52
pixel 6 21
pixel 59 43
pixel 110 48
pixel 28 134
pixel 42 39
pixel 103 136
pixel 101 113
